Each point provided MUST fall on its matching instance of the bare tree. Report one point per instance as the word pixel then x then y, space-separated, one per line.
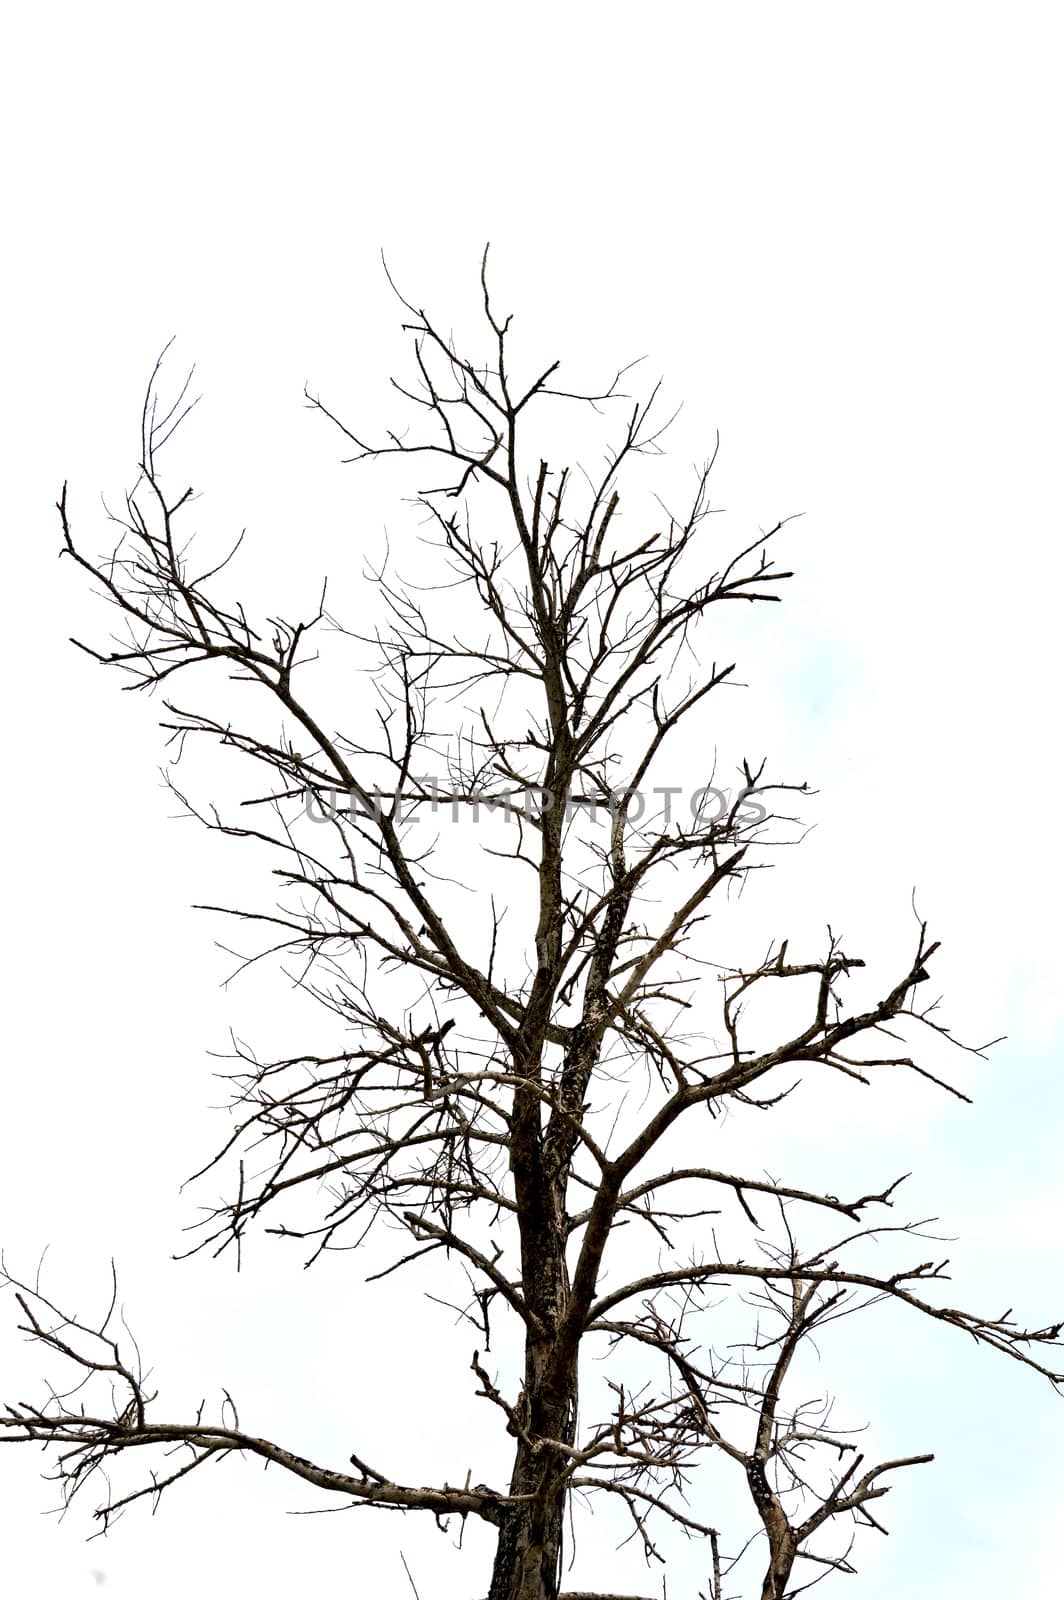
pixel 519 1093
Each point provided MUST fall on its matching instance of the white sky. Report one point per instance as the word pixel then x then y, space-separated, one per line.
pixel 834 228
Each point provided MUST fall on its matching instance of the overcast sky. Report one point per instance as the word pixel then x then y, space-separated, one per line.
pixel 835 230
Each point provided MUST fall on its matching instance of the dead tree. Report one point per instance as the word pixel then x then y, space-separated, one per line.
pixel 476 1094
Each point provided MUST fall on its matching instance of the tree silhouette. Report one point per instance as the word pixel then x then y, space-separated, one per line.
pixel 524 1091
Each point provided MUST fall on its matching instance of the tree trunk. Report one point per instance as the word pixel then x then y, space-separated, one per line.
pixel 778 1575
pixel 528 1559
pixel 782 1542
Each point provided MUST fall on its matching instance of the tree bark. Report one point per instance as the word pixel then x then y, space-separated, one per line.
pixel 528 1558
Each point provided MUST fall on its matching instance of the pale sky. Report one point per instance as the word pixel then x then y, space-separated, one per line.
pixel 834 229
